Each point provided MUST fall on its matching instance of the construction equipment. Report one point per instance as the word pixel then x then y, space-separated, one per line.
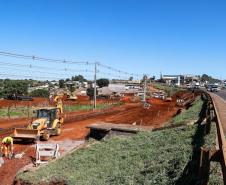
pixel 168 99
pixel 71 97
pixel 47 123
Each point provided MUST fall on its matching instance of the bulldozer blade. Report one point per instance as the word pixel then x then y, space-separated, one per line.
pixel 23 133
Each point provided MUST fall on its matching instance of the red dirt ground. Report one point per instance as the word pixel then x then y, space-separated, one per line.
pixel 75 124
pixel 83 100
pixel 36 102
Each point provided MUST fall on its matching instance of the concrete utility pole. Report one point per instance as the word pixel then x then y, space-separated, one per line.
pixel 145 87
pixel 95 86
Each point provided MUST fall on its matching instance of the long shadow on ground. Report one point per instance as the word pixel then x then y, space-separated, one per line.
pixel 191 171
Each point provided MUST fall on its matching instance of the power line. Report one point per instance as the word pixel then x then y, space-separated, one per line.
pixel 49 78
pixel 60 61
pixel 44 67
pixel 113 75
pixel 36 71
pixel 117 70
pixel 33 57
pixel 26 76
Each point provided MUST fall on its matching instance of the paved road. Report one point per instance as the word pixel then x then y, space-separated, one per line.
pixel 220 106
pixel 222 94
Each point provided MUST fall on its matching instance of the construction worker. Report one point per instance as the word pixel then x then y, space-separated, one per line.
pixel 7 147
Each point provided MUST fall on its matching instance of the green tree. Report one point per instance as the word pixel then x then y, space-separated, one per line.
pixel 102 82
pixel 17 87
pixel 61 83
pixel 208 78
pixel 79 78
pixel 40 93
pixel 90 92
pixel 143 79
pixel 131 78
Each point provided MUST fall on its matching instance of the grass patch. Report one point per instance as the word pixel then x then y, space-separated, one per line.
pixel 70 108
pixel 170 90
pixel 145 158
pixel 210 139
pixel 14 112
pixel 23 111
pixel 216 176
pixel 191 114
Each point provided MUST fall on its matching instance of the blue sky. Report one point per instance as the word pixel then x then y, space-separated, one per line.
pixel 138 36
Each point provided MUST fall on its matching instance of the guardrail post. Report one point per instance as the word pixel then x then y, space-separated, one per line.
pixel 204 166
pixel 208 119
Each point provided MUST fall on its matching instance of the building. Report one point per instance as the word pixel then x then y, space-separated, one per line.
pixel 112 89
pixel 173 79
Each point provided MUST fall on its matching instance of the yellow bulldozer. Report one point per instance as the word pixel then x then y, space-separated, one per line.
pixel 48 122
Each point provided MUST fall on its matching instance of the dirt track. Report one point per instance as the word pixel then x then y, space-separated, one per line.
pixel 75 128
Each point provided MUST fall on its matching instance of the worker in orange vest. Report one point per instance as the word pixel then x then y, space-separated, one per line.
pixel 7 147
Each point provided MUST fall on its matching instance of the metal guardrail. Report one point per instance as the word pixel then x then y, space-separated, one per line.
pixel 220 135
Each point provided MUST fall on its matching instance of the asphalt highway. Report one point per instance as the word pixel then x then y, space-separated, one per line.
pixel 222 94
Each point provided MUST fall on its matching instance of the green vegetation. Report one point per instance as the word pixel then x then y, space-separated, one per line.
pixel 216 176
pixel 40 93
pixel 61 83
pixel 69 108
pixel 210 79
pixel 145 158
pixel 163 157
pixel 170 90
pixel 209 140
pixel 79 78
pixel 15 112
pixel 102 82
pixel 90 92
pixel 10 87
pixel 191 114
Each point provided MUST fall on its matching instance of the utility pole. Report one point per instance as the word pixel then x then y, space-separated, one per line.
pixel 145 87
pixel 95 86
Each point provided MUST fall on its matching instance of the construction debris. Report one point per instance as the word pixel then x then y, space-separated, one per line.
pixel 185 100
pixel 46 152
pixel 19 156
pixel 100 130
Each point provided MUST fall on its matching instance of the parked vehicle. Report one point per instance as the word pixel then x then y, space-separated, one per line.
pixel 213 88
pixel 19 97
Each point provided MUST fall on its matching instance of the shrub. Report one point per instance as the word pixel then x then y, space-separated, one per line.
pixel 40 93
